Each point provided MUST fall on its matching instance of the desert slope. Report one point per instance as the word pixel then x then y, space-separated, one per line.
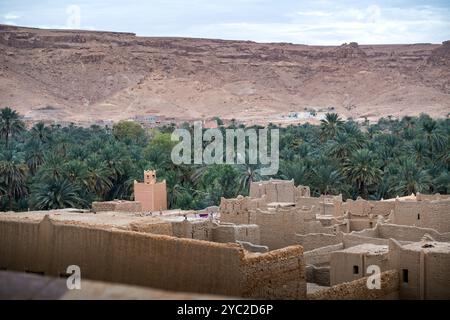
pixel 88 76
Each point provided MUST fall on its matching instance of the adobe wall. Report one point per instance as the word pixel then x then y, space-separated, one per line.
pixel 342 265
pixel 239 210
pixel 197 229
pixel 322 205
pixel 231 233
pixel 318 275
pixel 153 197
pixel 351 240
pixel 428 272
pixel 278 228
pixel 361 207
pixel 273 190
pixel 278 274
pixel 426 214
pixel 431 197
pixel 321 256
pixel 409 233
pixel 117 205
pixel 313 241
pixel 357 290
pixel 151 260
pixel 160 227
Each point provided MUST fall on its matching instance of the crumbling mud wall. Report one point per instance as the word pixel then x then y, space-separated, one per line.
pixel 321 256
pixel 274 190
pixel 364 208
pixel 313 241
pixel 425 214
pixel 358 290
pixel 158 261
pixel 117 205
pixel 398 232
pixel 323 205
pixel 424 272
pixel 278 228
pixel 231 233
pixel 240 210
pixel 197 229
pixel 278 274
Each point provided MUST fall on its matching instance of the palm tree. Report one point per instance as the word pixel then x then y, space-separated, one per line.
pixel 362 169
pixel 99 176
pixel 435 139
pixel 40 132
pixel 330 126
pixel 295 170
pixel 13 174
pixel 341 146
pixel 247 173
pixel 57 194
pixel 410 178
pixel 34 156
pixel 326 179
pixel 10 124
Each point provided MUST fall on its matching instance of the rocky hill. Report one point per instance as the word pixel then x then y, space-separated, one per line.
pixel 87 76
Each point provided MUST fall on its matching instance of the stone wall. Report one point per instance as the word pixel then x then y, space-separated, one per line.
pixel 151 260
pixel 357 290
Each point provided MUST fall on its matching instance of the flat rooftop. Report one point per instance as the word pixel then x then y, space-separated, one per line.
pixel 107 219
pixel 428 246
pixel 368 249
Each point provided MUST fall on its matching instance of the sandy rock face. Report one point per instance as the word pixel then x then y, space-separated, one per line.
pixel 87 76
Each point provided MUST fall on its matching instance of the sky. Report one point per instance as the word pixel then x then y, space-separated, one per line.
pixel 315 22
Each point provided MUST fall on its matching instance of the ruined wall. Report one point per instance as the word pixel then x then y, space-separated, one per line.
pixel 409 233
pixel 231 233
pixel 318 275
pixel 278 274
pixel 193 229
pixel 151 260
pixel 324 205
pixel 239 210
pixel 428 276
pixel 321 256
pixel 357 290
pixel 351 240
pixel 302 191
pixel 431 197
pixel 150 226
pixel 361 207
pixel 313 241
pixel 278 228
pixel 117 205
pixel 273 190
pixel 426 214
pixel 343 264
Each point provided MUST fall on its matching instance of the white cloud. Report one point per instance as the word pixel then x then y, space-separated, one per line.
pixel 314 13
pixel 11 16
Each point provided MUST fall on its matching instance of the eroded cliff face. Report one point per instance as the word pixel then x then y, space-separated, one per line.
pixel 87 76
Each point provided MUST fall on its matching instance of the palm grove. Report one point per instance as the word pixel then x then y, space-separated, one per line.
pixel 51 167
